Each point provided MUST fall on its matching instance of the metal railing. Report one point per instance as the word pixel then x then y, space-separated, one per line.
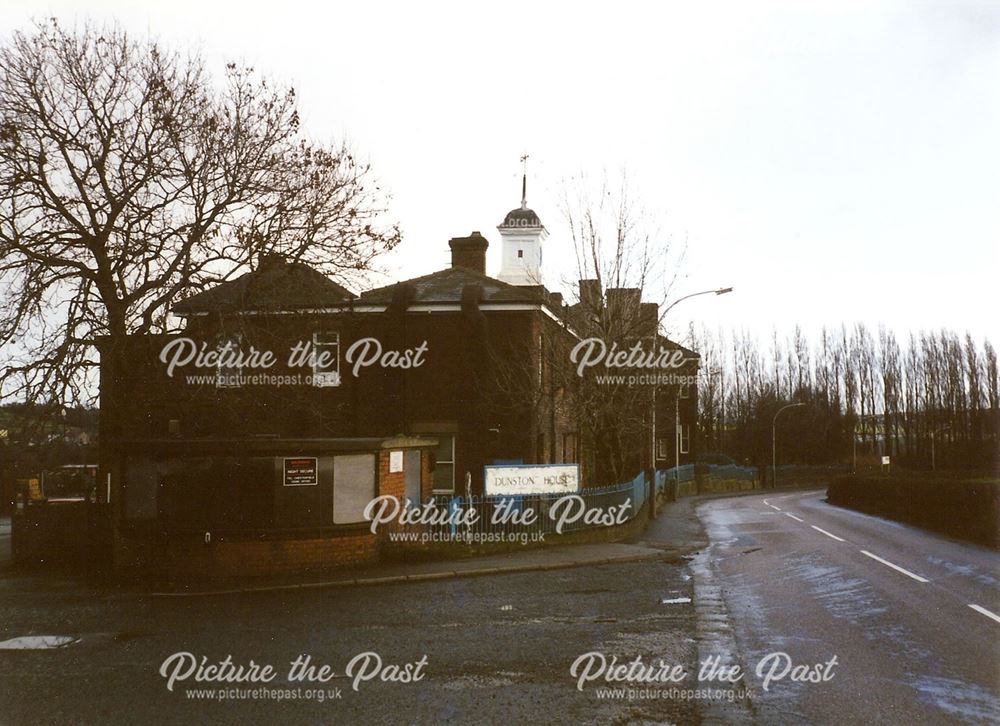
pixel 525 518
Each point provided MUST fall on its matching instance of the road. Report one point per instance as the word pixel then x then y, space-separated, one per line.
pixel 773 573
pixel 498 649
pixel 913 618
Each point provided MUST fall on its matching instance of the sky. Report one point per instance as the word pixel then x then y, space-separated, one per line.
pixel 833 162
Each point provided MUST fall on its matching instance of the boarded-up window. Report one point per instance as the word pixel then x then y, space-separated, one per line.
pixel 353 487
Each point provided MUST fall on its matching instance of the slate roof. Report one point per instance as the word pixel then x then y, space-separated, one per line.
pixel 521 217
pixel 445 286
pixel 276 285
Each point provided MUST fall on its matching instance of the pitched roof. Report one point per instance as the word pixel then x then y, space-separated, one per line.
pixel 276 285
pixel 446 286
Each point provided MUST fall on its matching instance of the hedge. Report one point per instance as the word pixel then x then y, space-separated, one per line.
pixel 965 509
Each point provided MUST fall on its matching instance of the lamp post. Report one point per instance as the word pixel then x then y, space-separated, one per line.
pixel 677 410
pixel 774 444
pixel 933 457
pixel 717 291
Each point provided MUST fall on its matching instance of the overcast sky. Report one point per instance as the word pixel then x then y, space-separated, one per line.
pixel 833 162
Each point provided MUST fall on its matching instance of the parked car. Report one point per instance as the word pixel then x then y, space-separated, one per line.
pixel 69 483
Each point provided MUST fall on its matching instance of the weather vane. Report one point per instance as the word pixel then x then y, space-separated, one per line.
pixel 524 181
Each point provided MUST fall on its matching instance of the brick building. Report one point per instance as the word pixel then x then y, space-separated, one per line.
pixel 409 389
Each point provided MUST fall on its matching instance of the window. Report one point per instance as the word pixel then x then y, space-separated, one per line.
pixel 444 466
pixel 228 346
pixel 326 359
pixel 541 356
pixel 520 254
pixel 685 435
pixel 569 449
pixel 662 449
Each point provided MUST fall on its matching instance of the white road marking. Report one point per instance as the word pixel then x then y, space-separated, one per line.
pixel 918 578
pixel 787 514
pixel 985 612
pixel 828 534
pixel 774 507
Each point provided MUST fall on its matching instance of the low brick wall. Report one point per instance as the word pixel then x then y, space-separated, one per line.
pixel 965 509
pixel 180 560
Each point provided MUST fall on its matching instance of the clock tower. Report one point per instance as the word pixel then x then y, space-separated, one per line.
pixel 522 233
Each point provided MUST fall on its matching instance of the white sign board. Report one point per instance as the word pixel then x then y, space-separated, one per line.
pixel 885 461
pixel 532 479
pixel 395 461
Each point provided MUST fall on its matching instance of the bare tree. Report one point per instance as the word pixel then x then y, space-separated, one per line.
pixel 630 269
pixel 129 180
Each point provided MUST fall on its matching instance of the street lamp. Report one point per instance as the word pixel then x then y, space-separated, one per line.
pixel 677 412
pixel 774 446
pixel 718 291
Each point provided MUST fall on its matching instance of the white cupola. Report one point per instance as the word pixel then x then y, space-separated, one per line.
pixel 522 233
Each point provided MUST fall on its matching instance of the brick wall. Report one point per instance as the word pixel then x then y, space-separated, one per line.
pixel 195 560
pixel 426 475
pixel 392 484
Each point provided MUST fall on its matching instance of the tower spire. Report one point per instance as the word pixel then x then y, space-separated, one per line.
pixel 524 181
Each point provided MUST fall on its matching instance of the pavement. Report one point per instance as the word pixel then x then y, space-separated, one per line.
pixel 528 560
pixel 676 532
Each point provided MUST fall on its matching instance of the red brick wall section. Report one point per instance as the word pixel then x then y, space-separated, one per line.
pixel 426 477
pixel 391 484
pixel 195 560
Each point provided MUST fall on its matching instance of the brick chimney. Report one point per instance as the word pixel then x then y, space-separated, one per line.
pixel 590 296
pixel 469 252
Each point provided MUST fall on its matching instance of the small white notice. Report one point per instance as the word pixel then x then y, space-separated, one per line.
pixel 395 461
pixel 885 461
pixel 504 481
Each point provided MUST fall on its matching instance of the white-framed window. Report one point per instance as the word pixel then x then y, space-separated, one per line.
pixel 444 463
pixel 228 345
pixel 326 359
pixel 662 448
pixel 685 436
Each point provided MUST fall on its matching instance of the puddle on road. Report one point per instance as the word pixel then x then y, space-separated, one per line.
pixel 503 679
pixel 965 701
pixel 37 642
